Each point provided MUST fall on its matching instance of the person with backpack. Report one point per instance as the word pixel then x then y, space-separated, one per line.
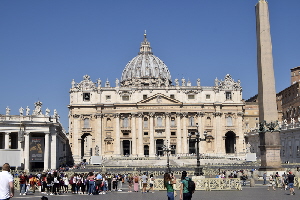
pixel 187 187
pixel 169 185
pixel 136 183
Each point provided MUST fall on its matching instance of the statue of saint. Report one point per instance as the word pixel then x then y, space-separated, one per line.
pixel 21 110
pixel 117 82
pixel 47 112
pixel 198 82
pixel 248 148
pixel 27 110
pixel 99 82
pixel 73 83
pixel 176 82
pixel 183 82
pixel 7 110
pixel 216 82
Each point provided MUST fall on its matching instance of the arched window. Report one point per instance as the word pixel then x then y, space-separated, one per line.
pixel 159 121
pixel 173 121
pixel 145 122
pixel 108 122
pixel 208 121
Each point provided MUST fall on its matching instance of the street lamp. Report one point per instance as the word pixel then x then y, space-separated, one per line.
pixel 198 169
pixel 166 148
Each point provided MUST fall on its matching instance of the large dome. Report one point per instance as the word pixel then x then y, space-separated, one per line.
pixel 146 69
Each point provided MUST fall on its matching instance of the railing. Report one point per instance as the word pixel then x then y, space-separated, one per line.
pixel 207 184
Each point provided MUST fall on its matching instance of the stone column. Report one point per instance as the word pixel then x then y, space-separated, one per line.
pixel 53 148
pixel 6 140
pixel 179 149
pixel 98 134
pixel 202 145
pixel 168 132
pixel 76 146
pixel 217 123
pixel 117 142
pixel 151 148
pixel 26 151
pixel 140 135
pixel 184 133
pixel 46 152
pixel 133 132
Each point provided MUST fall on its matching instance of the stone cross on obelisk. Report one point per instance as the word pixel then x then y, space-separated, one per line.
pixel 268 115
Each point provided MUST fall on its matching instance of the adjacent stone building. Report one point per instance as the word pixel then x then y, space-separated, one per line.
pixel 145 110
pixel 35 140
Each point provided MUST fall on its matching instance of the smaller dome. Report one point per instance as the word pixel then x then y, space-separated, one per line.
pixel 146 68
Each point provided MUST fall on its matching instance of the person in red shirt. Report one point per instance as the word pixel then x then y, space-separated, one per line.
pixel 22 182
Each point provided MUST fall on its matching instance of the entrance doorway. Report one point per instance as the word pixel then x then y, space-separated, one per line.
pixel 126 147
pixel 146 150
pixel 230 142
pixel 159 147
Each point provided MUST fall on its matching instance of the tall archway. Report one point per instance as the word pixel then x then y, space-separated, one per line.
pixel 230 141
pixel 86 146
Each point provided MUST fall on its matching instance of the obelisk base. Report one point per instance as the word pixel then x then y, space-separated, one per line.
pixel 270 152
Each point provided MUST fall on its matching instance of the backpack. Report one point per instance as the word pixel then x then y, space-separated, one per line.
pixel 136 179
pixel 191 186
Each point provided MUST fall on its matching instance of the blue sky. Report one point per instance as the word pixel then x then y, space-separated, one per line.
pixel 46 44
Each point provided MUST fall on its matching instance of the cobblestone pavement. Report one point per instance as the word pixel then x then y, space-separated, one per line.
pixel 257 192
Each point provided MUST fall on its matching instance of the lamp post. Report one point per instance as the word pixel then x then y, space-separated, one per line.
pixel 198 169
pixel 167 149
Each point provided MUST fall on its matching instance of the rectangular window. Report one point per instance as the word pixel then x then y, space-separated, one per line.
pixel 86 96
pixel 228 96
pixel 145 133
pixel 126 133
pixel 86 123
pixel 207 97
pixel 125 122
pixel 144 96
pixel 125 98
pixel 108 97
pixel 191 96
pixel 173 133
pixel 172 96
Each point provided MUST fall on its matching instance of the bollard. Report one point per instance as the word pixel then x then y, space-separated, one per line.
pixel 252 182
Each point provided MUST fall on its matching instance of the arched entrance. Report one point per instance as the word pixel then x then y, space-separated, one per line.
pixel 230 141
pixel 86 146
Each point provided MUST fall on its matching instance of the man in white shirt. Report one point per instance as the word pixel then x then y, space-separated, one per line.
pixel 7 183
pixel 144 182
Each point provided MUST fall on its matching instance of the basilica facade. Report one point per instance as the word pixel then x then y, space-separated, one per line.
pixel 146 110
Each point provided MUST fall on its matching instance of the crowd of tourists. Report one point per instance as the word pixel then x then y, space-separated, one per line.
pixel 92 183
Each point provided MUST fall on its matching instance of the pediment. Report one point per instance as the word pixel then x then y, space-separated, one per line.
pixel 159 99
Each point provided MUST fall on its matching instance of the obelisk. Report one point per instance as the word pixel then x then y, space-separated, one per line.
pixel 268 115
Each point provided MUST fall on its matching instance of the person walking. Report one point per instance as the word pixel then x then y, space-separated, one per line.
pixel 144 182
pixel 291 178
pixel 271 182
pixel 130 182
pixel 136 183
pixel 7 183
pixel 169 185
pixel 265 178
pixel 151 183
pixel 22 181
pixel 185 194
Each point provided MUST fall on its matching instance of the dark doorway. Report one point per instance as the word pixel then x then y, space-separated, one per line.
pixel 192 146
pixel 159 147
pixel 146 150
pixel 126 147
pixel 230 141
